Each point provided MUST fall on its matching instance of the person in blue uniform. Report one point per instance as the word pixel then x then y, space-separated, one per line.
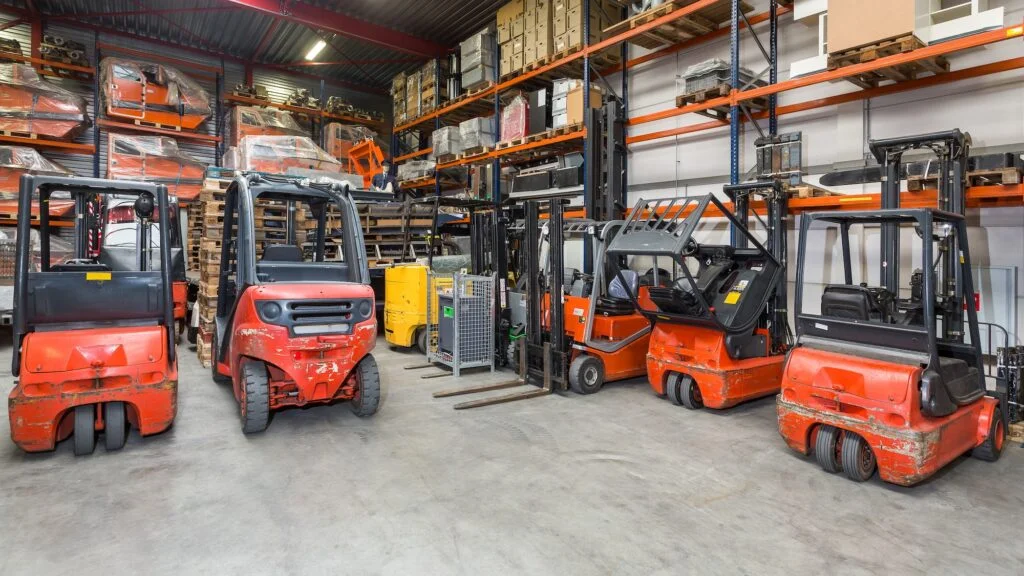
pixel 385 181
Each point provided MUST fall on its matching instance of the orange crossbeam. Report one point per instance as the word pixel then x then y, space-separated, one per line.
pixel 42 61
pixel 412 155
pixel 579 134
pixel 69 147
pixel 172 133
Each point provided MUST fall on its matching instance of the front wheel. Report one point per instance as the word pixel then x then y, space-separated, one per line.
pixel 255 402
pixel 992 447
pixel 367 398
pixel 586 374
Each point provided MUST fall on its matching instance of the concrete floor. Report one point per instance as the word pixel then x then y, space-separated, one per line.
pixel 616 483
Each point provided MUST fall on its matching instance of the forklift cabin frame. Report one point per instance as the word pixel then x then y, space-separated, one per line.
pixel 94 296
pixel 240 204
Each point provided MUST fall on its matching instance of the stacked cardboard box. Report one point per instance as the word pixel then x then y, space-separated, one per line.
pixel 477 53
pixel 567 102
pixel 539 40
pixel 413 96
pixel 567 22
pixel 511 34
pixel 398 97
pixel 432 93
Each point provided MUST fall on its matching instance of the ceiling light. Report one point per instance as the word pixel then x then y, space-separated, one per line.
pixel 315 50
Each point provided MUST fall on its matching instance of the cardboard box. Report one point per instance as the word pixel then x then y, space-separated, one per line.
pixel 510 11
pixel 518 28
pixel 854 23
pixel 558 24
pixel 574 104
pixel 517 61
pixel 504 32
pixel 506 60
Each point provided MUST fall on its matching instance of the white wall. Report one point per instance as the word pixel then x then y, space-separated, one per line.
pixel 990 108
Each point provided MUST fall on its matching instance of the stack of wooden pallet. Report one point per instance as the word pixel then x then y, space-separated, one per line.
pixel 211 203
pixel 394 232
pixel 195 234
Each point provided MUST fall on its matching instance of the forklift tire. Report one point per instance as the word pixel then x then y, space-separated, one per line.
pixel 85 429
pixel 858 459
pixel 192 335
pixel 367 397
pixel 689 393
pixel 672 388
pixel 825 448
pixel 115 426
pixel 255 403
pixel 586 374
pixel 421 340
pixel 992 447
pixel 214 354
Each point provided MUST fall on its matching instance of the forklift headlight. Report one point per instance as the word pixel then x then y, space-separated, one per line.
pixel 365 309
pixel 270 310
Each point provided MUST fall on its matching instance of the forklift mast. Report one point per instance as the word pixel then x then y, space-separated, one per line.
pixel 952 149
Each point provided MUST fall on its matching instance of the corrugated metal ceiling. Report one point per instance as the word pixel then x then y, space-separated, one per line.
pixel 235 31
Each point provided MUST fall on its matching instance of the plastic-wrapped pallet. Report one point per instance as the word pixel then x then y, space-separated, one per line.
pixel 476 132
pixel 276 154
pixel 150 92
pixel 155 159
pixel 32 105
pixel 415 169
pixel 477 53
pixel 413 96
pixel 515 121
pixel 712 73
pixel 340 138
pixel 18 160
pixel 446 141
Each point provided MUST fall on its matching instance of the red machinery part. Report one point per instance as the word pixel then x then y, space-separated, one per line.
pixel 152 93
pixel 30 105
pixel 155 159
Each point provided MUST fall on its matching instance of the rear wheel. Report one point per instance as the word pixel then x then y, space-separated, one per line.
pixel 672 388
pixel 421 340
pixel 992 447
pixel 255 403
pixel 115 426
pixel 214 354
pixel 367 397
pixel 586 374
pixel 85 429
pixel 826 448
pixel 858 459
pixel 689 393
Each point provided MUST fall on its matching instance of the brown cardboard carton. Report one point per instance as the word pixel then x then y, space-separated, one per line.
pixel 517 61
pixel 574 104
pixel 854 23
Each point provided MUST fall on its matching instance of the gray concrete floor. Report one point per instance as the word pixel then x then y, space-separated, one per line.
pixel 616 483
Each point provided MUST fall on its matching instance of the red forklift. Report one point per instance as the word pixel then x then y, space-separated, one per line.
pixel 884 378
pixel 720 328
pixel 294 328
pixel 94 344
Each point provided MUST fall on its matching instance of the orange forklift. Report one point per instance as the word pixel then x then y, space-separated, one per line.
pixel 293 328
pixel 720 328
pixel 883 378
pixel 94 346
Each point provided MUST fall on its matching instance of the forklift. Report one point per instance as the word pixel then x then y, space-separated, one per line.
pixel 292 328
pixel 720 328
pixel 881 377
pixel 94 343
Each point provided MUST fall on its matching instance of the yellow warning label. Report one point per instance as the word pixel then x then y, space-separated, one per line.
pixel 733 297
pixel 97 276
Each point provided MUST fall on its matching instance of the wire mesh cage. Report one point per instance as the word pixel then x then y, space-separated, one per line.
pixel 460 321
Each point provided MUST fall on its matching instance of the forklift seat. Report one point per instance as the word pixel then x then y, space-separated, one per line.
pixel 851 303
pixel 951 384
pixel 618 291
pixel 282 253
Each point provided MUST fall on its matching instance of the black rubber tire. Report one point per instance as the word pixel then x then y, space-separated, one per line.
pixel 254 408
pixel 859 462
pixel 512 355
pixel 586 374
pixel 115 426
pixel 192 335
pixel 672 388
pixel 992 448
pixel 85 429
pixel 421 340
pixel 217 376
pixel 825 448
pixel 689 393
pixel 367 398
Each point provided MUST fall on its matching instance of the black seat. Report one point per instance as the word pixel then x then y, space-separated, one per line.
pixel 951 384
pixel 282 253
pixel 851 302
pixel 80 266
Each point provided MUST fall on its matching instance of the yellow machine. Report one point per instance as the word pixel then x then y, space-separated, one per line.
pixel 405 305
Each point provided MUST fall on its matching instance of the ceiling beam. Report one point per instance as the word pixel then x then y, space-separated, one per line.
pixel 304 63
pixel 265 40
pixel 329 20
pixel 140 12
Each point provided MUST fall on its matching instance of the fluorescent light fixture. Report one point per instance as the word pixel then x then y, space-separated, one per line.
pixel 315 50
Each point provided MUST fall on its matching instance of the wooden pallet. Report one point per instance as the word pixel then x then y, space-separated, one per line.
pixel 1004 176
pixel 889 47
pixel 808 191
pixel 444 159
pixel 1015 433
pixel 204 352
pixel 471 93
pixel 718 112
pixel 475 151
pixel 688 27
pixel 147 124
pixel 18 134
